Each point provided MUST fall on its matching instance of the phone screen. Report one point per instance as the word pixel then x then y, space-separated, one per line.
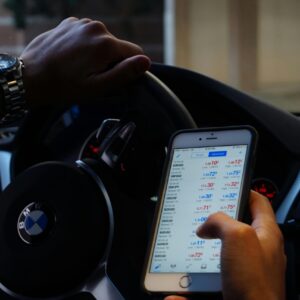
pixel 200 181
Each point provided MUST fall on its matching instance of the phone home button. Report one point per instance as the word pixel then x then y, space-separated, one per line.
pixel 185 281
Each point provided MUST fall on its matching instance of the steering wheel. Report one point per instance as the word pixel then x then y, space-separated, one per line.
pixel 63 227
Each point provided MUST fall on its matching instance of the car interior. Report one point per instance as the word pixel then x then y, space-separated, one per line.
pixel 96 168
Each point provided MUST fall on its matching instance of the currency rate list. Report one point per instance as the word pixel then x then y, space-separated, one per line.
pixel 201 181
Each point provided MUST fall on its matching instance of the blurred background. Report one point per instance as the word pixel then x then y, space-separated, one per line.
pixel 253 45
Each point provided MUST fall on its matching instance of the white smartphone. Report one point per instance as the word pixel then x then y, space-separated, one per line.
pixel 206 171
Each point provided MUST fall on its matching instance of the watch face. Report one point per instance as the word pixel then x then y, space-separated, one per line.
pixel 6 62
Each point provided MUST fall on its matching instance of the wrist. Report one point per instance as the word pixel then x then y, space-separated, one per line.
pixel 38 83
pixel 30 85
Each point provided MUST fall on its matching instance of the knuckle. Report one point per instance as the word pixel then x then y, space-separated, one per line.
pixel 106 41
pixel 85 20
pixel 69 20
pixel 96 27
pixel 100 25
pixel 244 231
pixel 211 218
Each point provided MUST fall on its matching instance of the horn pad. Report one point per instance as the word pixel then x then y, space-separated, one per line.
pixel 54 230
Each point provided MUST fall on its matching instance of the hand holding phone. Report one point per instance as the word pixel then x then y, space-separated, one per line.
pixel 261 244
pixel 206 171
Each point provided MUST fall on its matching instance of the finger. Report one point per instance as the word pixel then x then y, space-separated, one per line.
pixel 114 50
pixel 175 298
pixel 120 75
pixel 264 221
pixel 261 209
pixel 128 48
pixel 220 225
pixel 263 216
pixel 234 235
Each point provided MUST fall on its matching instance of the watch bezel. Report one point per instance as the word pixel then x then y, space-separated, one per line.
pixel 10 60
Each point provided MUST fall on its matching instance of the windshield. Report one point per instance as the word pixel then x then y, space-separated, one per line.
pixel 253 45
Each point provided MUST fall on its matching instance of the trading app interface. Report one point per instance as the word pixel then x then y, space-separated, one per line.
pixel 201 181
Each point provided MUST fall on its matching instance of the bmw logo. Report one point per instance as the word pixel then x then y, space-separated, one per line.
pixel 34 223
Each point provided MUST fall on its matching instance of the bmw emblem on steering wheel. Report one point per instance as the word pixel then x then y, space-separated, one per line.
pixel 34 223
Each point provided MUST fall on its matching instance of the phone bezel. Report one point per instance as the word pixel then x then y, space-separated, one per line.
pixel 206 137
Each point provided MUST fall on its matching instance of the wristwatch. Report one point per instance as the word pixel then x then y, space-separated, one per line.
pixel 12 100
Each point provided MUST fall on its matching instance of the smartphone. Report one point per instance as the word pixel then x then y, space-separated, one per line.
pixel 206 171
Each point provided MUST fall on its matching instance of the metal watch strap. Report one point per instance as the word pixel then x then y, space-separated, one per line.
pixel 14 92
